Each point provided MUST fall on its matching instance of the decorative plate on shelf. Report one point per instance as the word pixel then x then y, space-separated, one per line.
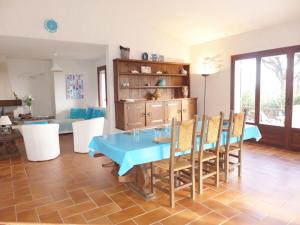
pixel 51 25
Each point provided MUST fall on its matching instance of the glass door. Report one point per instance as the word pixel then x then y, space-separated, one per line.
pixel 294 133
pixel 273 90
pixel 267 84
pixel 296 92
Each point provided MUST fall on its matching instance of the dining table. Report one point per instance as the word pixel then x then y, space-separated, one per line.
pixel 133 151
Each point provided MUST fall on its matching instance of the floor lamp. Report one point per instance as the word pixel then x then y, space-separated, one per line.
pixel 204 98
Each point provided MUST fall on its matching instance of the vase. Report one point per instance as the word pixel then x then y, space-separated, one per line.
pixel 29 110
pixel 185 91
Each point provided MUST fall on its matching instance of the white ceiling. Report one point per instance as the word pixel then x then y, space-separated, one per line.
pixel 49 49
pixel 197 21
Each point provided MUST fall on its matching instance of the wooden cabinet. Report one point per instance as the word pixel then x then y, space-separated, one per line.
pixel 172 109
pixel 189 108
pixel 153 113
pixel 134 93
pixel 135 115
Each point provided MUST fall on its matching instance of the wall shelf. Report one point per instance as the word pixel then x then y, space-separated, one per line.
pixel 151 87
pixel 10 103
pixel 154 74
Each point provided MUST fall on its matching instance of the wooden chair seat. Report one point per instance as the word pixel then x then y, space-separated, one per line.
pixel 181 163
pixel 207 155
pixel 232 148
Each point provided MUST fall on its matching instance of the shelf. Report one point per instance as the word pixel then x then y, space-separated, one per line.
pixel 154 74
pixel 10 103
pixel 151 87
pixel 151 62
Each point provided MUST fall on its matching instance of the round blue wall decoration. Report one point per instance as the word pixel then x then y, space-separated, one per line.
pixel 51 25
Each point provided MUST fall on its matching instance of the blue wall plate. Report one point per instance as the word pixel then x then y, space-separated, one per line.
pixel 51 25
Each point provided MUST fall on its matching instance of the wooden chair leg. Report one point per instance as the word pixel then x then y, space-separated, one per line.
pixel 177 182
pixel 217 177
pixel 200 178
pixel 172 189
pixel 226 167
pixel 240 163
pixel 193 183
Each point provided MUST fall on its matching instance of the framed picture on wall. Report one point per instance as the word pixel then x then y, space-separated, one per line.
pixel 74 86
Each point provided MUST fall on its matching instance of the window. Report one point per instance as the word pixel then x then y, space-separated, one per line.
pixel 273 90
pixel 245 81
pixel 267 84
pixel 296 92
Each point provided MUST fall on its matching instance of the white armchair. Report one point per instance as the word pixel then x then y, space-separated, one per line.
pixel 41 141
pixel 84 131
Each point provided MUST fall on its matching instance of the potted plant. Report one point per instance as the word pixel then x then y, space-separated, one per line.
pixel 28 102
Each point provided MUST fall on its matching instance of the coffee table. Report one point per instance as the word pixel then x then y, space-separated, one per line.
pixel 8 145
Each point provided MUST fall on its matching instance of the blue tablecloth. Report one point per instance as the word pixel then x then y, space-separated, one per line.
pixel 129 150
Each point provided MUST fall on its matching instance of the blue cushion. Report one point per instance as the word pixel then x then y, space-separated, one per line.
pixel 29 122
pixel 99 113
pixel 89 113
pixel 77 113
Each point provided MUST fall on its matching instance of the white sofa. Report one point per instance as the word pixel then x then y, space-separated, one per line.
pixel 84 131
pixel 41 141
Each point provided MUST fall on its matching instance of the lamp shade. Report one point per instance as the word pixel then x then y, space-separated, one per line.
pixel 4 120
pixel 56 68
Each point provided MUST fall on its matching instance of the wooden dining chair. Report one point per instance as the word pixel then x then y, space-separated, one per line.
pixel 232 151
pixel 170 170
pixel 208 159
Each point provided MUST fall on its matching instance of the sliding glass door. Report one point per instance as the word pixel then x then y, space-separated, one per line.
pixel 273 90
pixel 294 134
pixel 267 84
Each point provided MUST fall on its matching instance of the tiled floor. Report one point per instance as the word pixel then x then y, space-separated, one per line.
pixel 75 189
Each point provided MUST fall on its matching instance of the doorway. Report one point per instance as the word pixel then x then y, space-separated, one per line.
pixel 102 86
pixel 267 84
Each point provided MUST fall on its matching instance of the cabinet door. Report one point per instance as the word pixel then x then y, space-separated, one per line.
pixel 155 112
pixel 172 109
pixel 135 115
pixel 189 108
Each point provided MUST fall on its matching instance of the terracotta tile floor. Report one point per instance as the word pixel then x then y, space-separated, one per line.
pixel 75 189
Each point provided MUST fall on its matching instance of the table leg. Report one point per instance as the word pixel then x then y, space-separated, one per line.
pixel 138 180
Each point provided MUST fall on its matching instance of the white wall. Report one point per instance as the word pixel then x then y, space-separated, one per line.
pixel 6 91
pixel 218 85
pixel 89 71
pixel 92 21
pixel 33 77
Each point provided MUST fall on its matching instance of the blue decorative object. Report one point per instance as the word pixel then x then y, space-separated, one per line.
pixel 89 113
pixel 77 113
pixel 145 56
pixel 98 113
pixel 29 122
pixel 51 25
pixel 162 83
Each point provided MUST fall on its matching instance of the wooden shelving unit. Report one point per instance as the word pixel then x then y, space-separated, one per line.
pixel 142 85
pixel 153 74
pixel 150 87
pixel 141 110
